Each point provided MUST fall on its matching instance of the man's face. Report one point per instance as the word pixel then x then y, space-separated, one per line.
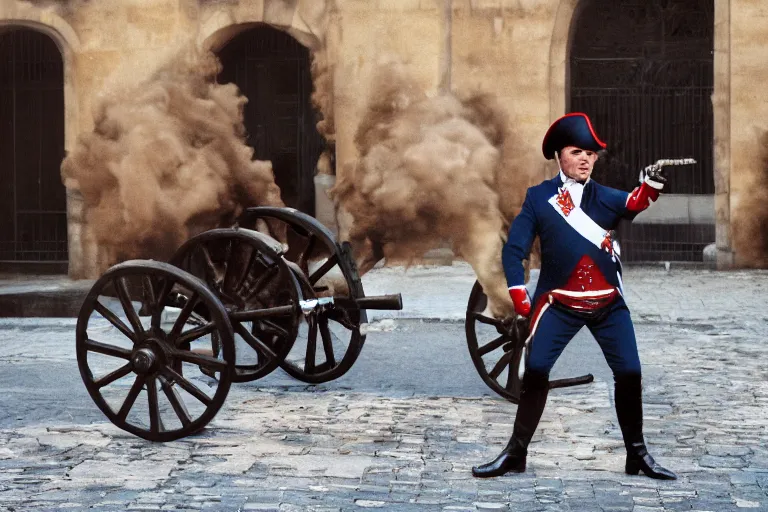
pixel 577 163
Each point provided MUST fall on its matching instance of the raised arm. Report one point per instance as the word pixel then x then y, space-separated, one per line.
pixel 643 196
pixel 518 247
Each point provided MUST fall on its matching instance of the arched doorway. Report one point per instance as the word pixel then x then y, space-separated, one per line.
pixel 272 69
pixel 643 70
pixel 33 217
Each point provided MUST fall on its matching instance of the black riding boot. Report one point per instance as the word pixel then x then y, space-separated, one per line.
pixel 533 397
pixel 629 410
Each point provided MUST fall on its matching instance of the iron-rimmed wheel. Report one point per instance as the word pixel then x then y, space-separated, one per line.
pixel 257 288
pixel 142 357
pixel 326 333
pixel 495 346
pixel 330 339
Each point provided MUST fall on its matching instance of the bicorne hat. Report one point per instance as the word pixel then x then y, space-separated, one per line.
pixel 573 129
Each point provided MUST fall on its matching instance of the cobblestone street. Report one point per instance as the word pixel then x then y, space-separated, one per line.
pixel 333 447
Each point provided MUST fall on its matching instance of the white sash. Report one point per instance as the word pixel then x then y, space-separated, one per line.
pixel 584 225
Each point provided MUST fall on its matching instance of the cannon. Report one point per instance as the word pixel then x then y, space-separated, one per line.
pixel 159 343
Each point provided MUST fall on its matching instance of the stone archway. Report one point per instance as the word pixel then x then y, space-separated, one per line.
pixel 33 202
pixel 68 44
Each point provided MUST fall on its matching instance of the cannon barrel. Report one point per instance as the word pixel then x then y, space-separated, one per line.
pixel 388 302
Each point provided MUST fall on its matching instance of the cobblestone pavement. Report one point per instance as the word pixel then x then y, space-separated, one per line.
pixel 702 342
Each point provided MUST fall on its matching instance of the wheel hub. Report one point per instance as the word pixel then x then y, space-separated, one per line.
pixel 144 360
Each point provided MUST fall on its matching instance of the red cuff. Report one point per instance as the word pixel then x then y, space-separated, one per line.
pixel 642 197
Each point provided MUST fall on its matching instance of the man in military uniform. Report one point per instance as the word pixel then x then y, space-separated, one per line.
pixel 579 284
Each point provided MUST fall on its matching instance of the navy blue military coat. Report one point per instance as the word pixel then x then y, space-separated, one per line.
pixel 561 245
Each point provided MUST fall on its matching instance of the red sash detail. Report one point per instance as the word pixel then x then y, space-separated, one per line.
pixel 607 244
pixel 565 202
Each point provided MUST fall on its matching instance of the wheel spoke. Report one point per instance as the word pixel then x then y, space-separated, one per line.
pixel 320 272
pixel 161 299
pixel 107 350
pixel 309 359
pixel 504 361
pixel 193 334
pixel 238 290
pixel 183 317
pixel 209 268
pixel 131 398
pixel 113 376
pixel 488 320
pixel 227 263
pixel 511 375
pixel 325 334
pixel 491 346
pixel 186 385
pixel 261 348
pixel 175 400
pixel 150 298
pixel 270 328
pixel 343 318
pixel 122 293
pixel 211 363
pixel 264 278
pixel 302 259
pixel 155 421
pixel 114 320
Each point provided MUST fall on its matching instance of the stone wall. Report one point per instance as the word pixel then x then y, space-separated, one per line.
pixel 516 49
pixel 748 120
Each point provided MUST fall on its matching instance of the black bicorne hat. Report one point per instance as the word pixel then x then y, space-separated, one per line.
pixel 573 129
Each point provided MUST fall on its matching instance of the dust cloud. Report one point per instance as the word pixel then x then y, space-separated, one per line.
pixel 166 159
pixel 749 226
pixel 428 173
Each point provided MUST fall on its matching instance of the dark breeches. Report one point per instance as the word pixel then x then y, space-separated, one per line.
pixel 613 331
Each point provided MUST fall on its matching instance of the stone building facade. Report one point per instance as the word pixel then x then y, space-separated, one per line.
pixel 520 50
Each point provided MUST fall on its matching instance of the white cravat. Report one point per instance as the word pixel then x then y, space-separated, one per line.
pixel 575 188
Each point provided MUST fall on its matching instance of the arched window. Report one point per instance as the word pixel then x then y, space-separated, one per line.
pixel 272 69
pixel 33 218
pixel 643 71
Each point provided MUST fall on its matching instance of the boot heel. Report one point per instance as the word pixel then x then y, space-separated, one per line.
pixel 632 467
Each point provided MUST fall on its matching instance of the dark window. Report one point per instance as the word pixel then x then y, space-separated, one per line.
pixel 272 70
pixel 33 218
pixel 643 71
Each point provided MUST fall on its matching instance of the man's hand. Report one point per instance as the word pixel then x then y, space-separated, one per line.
pixel 654 173
pixel 657 176
pixel 521 300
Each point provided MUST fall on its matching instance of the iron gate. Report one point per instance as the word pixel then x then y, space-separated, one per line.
pixel 643 71
pixel 33 217
pixel 272 70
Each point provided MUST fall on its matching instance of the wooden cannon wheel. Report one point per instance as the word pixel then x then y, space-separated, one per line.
pixel 259 291
pixel 330 339
pixel 496 347
pixel 148 369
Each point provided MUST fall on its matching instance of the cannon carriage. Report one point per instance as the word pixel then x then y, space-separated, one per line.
pixel 159 344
